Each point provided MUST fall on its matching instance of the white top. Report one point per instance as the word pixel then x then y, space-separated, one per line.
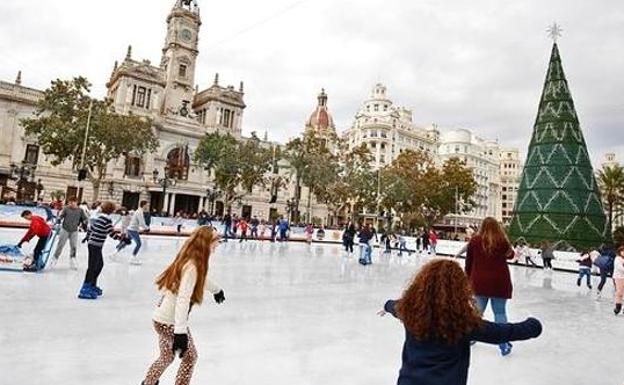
pixel 174 309
pixel 618 268
pixel 137 222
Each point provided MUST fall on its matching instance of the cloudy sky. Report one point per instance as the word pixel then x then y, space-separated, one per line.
pixel 476 64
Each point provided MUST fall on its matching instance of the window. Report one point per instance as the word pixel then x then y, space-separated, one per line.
pixel 132 166
pixel 385 107
pixel 373 145
pixel 182 70
pixel 383 146
pixel 383 134
pixel 373 134
pixel 140 96
pixel 32 154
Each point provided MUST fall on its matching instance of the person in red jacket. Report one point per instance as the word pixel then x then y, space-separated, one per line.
pixel 487 270
pixel 38 227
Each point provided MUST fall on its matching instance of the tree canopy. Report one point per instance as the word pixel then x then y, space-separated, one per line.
pixel 59 126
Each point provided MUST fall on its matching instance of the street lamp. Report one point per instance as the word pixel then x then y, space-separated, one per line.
pixel 165 182
pixel 290 208
pixel 212 195
pixel 22 174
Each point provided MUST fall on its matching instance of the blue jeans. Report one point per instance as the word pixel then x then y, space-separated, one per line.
pixel 498 308
pixel 365 252
pixel 584 273
pixel 134 235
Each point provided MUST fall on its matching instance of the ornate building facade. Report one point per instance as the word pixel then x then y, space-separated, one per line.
pixel 182 115
pixel 483 157
pixel 510 173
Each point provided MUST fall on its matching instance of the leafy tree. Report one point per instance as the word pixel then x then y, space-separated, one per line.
pixel 312 164
pixel 422 193
pixel 238 166
pixel 611 182
pixel 60 122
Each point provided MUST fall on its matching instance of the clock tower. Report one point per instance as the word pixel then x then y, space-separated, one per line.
pixel 180 56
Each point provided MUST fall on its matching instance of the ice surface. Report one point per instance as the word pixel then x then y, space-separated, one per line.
pixel 294 314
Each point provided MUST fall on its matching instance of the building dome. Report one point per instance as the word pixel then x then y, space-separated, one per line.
pixel 321 119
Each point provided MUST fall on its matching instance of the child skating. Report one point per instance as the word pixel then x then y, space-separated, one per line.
pixel 182 285
pixel 585 266
pixel 39 228
pixel 100 228
pixel 441 319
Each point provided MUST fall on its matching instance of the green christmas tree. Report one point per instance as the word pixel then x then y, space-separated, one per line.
pixel 558 198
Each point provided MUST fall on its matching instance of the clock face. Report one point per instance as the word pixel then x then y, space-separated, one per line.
pixel 186 35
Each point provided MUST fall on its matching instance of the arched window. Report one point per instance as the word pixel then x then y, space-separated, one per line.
pixel 178 161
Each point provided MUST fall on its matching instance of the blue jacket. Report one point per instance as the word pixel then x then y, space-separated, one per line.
pixel 435 363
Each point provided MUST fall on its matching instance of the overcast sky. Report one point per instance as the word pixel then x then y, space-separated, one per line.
pixel 476 64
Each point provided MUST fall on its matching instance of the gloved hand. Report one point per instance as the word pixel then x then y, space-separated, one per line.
pixel 19 245
pixel 180 343
pixel 219 297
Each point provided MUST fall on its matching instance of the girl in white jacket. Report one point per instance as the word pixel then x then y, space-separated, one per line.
pixel 182 285
pixel 618 278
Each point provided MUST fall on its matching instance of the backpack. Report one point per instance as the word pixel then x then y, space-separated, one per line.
pixel 604 262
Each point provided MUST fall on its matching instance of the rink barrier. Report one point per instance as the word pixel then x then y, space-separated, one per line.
pixel 165 226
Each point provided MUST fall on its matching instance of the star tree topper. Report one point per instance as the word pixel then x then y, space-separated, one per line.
pixel 554 31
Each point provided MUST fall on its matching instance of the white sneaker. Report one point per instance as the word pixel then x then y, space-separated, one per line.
pixel 72 264
pixel 135 261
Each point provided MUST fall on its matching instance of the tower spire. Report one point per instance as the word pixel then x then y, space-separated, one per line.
pixel 18 79
pixel 129 53
pixel 241 87
pixel 322 98
pixel 216 79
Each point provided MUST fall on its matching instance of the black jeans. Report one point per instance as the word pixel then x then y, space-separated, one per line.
pixel 604 274
pixel 41 243
pixel 96 263
pixel 547 263
pixel 348 244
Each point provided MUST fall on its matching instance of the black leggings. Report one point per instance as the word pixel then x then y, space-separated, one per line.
pixel 348 246
pixel 96 263
pixel 604 274
pixel 547 263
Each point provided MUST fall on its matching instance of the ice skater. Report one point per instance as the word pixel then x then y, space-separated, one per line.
pixel 548 254
pixel 243 226
pixel 38 228
pixel 254 227
pixel 365 236
pixel 488 272
pixel 618 279
pixel 71 217
pixel 309 232
pixel 137 224
pixel 182 285
pixel 348 237
pixel 441 319
pixel 585 266
pixel 605 263
pixel 100 228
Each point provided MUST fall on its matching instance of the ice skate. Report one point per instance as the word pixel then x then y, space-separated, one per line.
pixel 134 260
pixel 618 309
pixel 87 292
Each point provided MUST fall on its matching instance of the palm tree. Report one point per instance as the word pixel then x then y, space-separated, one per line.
pixel 611 182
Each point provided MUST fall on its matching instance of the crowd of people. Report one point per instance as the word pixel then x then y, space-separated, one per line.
pixel 441 310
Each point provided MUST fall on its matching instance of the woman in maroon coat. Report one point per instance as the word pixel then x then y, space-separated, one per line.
pixel 487 270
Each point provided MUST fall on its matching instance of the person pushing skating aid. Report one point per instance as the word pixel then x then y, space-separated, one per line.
pixel 39 228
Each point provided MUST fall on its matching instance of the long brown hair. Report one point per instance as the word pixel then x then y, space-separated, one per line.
pixel 492 235
pixel 439 305
pixel 195 250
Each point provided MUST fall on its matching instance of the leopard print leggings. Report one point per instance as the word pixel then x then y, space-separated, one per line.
pixel 165 343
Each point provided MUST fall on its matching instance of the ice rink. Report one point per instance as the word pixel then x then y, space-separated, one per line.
pixel 294 314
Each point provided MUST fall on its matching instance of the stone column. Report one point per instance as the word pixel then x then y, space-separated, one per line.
pixel 171 208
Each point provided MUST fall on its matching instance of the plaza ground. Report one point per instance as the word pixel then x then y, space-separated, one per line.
pixel 294 314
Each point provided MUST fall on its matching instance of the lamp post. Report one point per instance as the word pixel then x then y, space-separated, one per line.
pixel 22 174
pixel 212 195
pixel 164 182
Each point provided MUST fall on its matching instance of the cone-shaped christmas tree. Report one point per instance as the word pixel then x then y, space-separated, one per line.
pixel 558 198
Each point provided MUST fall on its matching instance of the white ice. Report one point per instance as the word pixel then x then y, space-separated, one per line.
pixel 294 314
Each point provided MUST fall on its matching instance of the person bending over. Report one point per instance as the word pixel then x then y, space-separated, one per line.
pixel 38 227
pixel 441 319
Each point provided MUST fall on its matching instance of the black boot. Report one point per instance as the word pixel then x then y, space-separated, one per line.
pixel 618 308
pixel 578 282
